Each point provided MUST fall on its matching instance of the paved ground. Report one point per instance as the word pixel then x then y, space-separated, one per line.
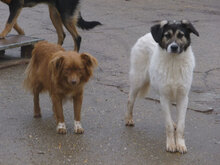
pixel 106 141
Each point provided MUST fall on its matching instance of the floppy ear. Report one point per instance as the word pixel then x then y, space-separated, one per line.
pixel 157 30
pixel 190 27
pixel 56 65
pixel 88 60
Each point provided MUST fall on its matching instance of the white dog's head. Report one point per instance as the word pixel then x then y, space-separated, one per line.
pixel 173 36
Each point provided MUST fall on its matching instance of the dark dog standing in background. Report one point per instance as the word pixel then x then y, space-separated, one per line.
pixel 62 12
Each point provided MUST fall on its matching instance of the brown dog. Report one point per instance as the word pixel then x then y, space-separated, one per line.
pixel 63 74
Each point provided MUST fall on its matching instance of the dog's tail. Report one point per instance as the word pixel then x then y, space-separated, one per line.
pixel 86 25
pixel 29 71
pixel 27 84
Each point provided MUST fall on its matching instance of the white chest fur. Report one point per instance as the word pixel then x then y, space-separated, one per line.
pixel 171 74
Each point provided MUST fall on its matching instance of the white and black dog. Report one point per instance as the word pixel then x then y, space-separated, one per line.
pixel 164 60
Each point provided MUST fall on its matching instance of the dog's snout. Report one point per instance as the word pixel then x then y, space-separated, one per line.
pixel 73 82
pixel 174 48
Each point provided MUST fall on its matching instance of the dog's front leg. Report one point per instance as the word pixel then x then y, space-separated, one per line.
pixel 58 111
pixel 182 103
pixel 170 130
pixel 14 13
pixel 77 101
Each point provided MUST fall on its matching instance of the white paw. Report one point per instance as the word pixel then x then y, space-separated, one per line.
pixel 129 122
pixel 78 127
pixel 171 146
pixel 180 145
pixel 61 128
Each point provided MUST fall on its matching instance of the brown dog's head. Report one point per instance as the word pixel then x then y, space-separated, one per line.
pixel 71 68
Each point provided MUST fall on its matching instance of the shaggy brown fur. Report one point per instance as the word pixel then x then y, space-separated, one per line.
pixel 62 73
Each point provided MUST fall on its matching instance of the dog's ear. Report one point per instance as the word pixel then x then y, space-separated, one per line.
pixel 188 25
pixel 56 64
pixel 90 63
pixel 157 30
pixel 89 60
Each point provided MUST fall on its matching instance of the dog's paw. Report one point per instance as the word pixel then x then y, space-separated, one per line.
pixel 61 128
pixel 2 36
pixel 129 122
pixel 78 127
pixel 171 146
pixel 180 146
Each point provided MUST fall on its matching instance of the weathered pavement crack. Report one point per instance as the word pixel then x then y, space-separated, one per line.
pixel 119 87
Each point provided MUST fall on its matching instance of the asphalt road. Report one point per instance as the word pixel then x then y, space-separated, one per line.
pixel 106 141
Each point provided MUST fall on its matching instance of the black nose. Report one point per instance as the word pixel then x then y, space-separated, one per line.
pixel 174 48
pixel 73 82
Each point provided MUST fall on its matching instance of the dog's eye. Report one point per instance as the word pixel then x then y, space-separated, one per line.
pixel 68 69
pixel 180 35
pixel 167 35
pixel 77 69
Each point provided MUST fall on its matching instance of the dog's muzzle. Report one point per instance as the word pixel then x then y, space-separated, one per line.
pixel 173 48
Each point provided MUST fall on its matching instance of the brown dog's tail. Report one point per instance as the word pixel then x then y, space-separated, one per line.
pixel 27 84
pixel 86 25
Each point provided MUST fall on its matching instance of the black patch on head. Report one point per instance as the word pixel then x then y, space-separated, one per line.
pixel 191 29
pixel 158 32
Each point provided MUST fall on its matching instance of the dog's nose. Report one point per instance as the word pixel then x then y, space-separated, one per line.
pixel 174 48
pixel 73 82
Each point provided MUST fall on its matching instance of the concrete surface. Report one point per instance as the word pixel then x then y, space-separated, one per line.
pixel 106 141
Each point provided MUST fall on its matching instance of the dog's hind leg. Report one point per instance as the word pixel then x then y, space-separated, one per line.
pixel 138 87
pixel 130 105
pixel 70 24
pixel 57 22
pixel 14 13
pixel 182 103
pixel 134 91
pixel 170 130
pixel 37 111
pixel 18 29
